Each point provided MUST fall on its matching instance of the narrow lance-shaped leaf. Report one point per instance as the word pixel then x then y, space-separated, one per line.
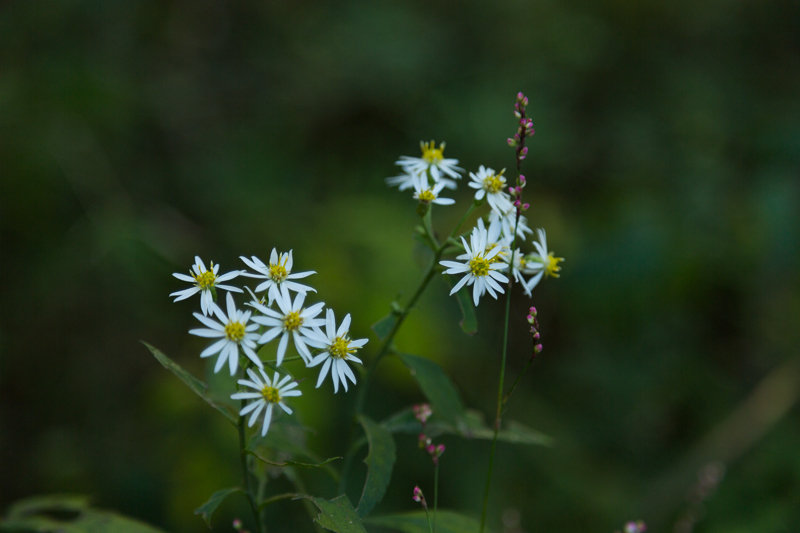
pixel 207 509
pixel 469 322
pixel 338 515
pixel 379 461
pixel 197 386
pixel 436 386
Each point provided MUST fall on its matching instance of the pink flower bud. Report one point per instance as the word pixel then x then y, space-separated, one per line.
pixel 538 349
pixel 522 179
pixel 526 206
pixel 511 142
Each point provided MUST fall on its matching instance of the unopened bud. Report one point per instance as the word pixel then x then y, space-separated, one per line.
pixel 538 349
pixel 511 142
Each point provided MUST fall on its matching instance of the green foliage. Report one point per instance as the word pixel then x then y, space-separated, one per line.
pixel 67 514
pixel 338 515
pixel 436 386
pixel 416 522
pixel 207 509
pixel 197 386
pixel 380 461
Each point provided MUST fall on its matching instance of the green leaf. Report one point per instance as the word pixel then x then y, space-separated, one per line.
pixel 436 386
pixel 338 515
pixel 416 522
pixel 472 426
pixel 67 514
pixel 469 322
pixel 197 386
pixel 292 463
pixel 379 461
pixel 207 509
pixel 384 326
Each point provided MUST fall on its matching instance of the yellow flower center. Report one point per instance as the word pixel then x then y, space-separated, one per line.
pixel 277 271
pixel 340 348
pixel 551 267
pixel 430 153
pixel 479 266
pixel 271 394
pixel 494 183
pixel 498 257
pixel 292 321
pixel 427 196
pixel 205 280
pixel 234 331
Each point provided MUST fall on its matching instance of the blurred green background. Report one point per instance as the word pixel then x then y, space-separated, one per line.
pixel 134 135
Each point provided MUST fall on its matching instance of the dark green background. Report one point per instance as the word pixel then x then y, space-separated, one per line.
pixel 134 135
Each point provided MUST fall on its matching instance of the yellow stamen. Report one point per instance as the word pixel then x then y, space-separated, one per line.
pixel 430 153
pixel 271 394
pixel 494 183
pixel 277 271
pixel 551 267
pixel 427 196
pixel 205 280
pixel 234 331
pixel 292 321
pixel 479 266
pixel 340 348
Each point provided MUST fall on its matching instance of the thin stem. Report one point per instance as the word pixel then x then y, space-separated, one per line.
pixel 435 493
pixel 514 385
pixel 400 318
pixel 246 473
pixel 428 518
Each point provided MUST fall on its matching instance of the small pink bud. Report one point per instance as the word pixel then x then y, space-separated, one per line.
pixel 517 114
pixel 522 179
pixel 536 335
pixel 511 142
pixel 526 206
pixel 440 449
pixel 520 96
pixel 538 348
pixel 517 203
pixel 422 412
pixel 524 151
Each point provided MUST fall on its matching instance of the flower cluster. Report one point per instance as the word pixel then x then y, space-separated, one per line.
pixel 423 412
pixel 487 260
pixel 537 336
pixel 276 311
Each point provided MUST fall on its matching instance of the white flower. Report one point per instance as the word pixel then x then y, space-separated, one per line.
pixel 491 185
pixel 507 220
pixel 269 392
pixel 204 281
pixel 339 349
pixel 541 264
pixel 481 266
pixel 277 274
pixel 430 195
pixel 432 162
pixel 403 181
pixel 292 319
pixel 234 332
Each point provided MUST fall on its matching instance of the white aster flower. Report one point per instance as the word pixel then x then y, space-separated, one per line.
pixel 481 267
pixel 234 332
pixel 432 162
pixel 507 221
pixel 292 320
pixel 491 185
pixel 205 280
pixel 339 349
pixel 542 263
pixel 430 195
pixel 268 393
pixel 277 274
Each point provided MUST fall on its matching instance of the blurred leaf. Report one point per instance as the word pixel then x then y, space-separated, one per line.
pixel 197 386
pixel 207 509
pixel 472 427
pixel 67 514
pixel 379 461
pixel 338 515
pixel 384 326
pixel 436 386
pixel 416 522
pixel 469 322
pixel 287 438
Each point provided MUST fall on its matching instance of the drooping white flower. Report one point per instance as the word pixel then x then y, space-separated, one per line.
pixel 432 162
pixel 491 185
pixel 267 392
pixel 507 220
pixel 542 263
pixel 430 195
pixel 233 331
pixel 481 266
pixel 277 274
pixel 292 320
pixel 204 280
pixel 339 349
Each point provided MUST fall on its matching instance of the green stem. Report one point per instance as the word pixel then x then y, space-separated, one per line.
pixel 401 316
pixel 435 493
pixel 251 498
pixel 514 385
pixel 428 518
